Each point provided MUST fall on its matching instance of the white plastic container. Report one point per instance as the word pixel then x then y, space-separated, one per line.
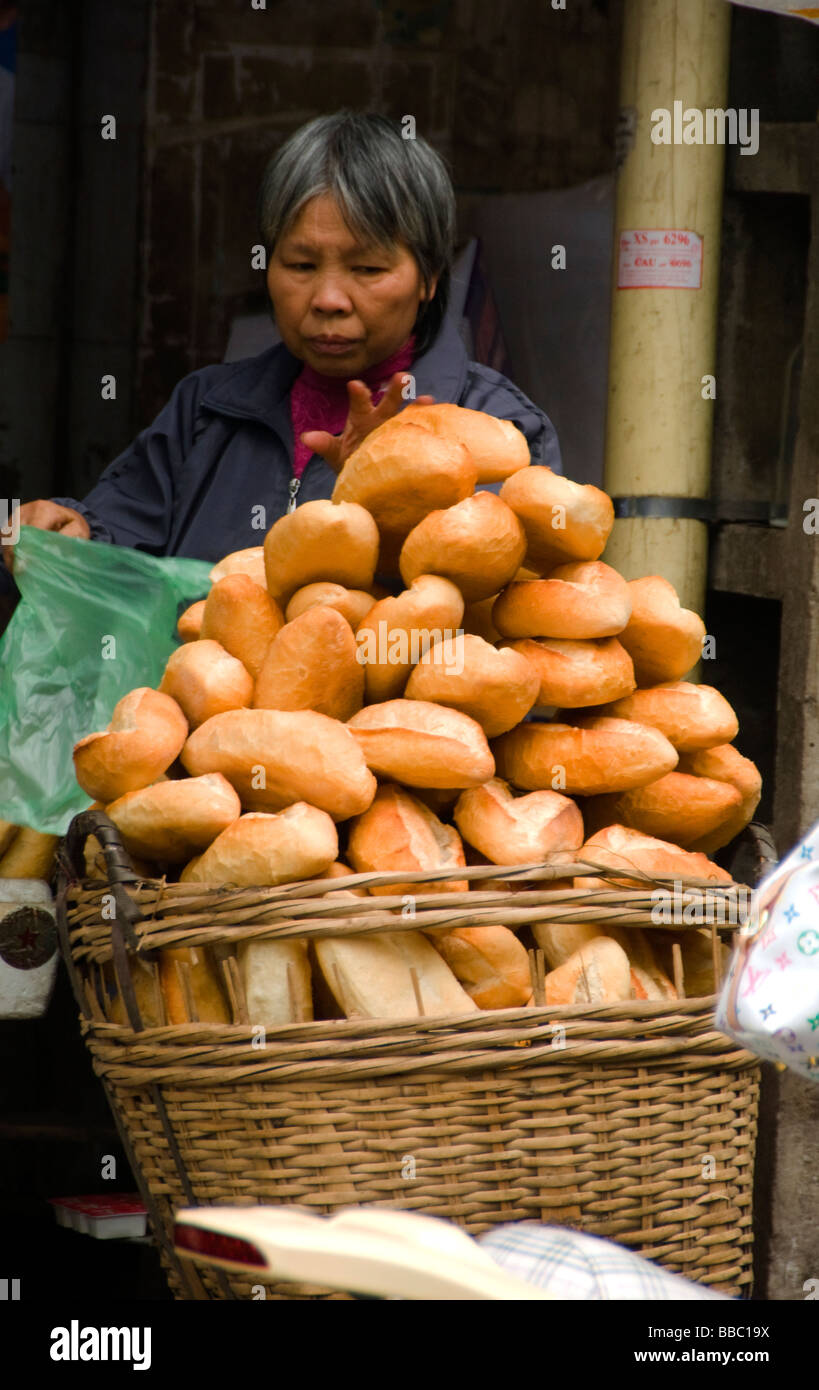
pixel 28 947
pixel 120 1216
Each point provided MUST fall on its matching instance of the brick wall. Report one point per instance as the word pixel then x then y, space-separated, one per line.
pixel 514 94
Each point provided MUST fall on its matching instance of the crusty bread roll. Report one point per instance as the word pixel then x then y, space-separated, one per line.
pixel 264 849
pixel 697 959
pixel 173 820
pixel 497 688
pixel 618 847
pixel 276 977
pixel 563 520
pixel 192 989
pixel 592 756
pixel 498 448
pixel 663 639
pixel 401 474
pixel 312 663
pixel 491 964
pixel 147 990
pixel 648 979
pixel 145 735
pixel 30 854
pixel 249 562
pixel 205 680
pixel 397 631
pixel 352 604
pixel 575 674
pixel 372 976
pixel 243 618
pixel 677 807
pixel 324 540
pixel 399 832
pixel 724 763
pixel 583 600
pixel 598 973
pixel 422 744
pixel 189 623
pixel 276 757
pixel 478 544
pixel 690 716
pixel 560 940
pixel 511 829
pixel 477 619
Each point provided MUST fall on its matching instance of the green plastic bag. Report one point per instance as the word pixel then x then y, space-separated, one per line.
pixel 94 622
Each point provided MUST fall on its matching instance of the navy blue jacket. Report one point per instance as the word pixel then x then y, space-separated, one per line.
pixel 223 445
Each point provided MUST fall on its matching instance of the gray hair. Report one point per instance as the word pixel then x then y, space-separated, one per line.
pixel 390 190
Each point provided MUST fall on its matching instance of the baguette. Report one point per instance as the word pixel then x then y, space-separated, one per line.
pixel 497 447
pixel 496 688
pixel 578 601
pixel 490 963
pixel 173 820
pixel 677 807
pixel 396 633
pixel 692 717
pixel 563 521
pixel 517 830
pixel 334 541
pixel 372 976
pixel 311 664
pixel 663 639
pixel 592 756
pixel 243 618
pixel 598 973
pixel 146 734
pixel 204 679
pixel 478 544
pixel 276 757
pixel 422 744
pixel 267 849
pixel 399 832
pixel 574 674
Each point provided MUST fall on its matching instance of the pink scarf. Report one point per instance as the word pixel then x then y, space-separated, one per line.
pixel 320 402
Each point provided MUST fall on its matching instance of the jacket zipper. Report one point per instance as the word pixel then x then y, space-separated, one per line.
pixel 293 489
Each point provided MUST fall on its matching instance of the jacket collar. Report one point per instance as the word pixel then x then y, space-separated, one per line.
pixel 257 387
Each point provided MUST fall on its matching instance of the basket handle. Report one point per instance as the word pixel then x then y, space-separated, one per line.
pixel 120 870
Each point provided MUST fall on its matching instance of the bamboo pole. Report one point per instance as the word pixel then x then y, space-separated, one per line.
pixel 663 337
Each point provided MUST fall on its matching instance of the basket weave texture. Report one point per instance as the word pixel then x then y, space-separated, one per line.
pixel 634 1121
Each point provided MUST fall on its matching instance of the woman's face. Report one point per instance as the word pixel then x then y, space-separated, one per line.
pixel 341 306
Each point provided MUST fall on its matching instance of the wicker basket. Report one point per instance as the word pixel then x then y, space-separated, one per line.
pixel 635 1121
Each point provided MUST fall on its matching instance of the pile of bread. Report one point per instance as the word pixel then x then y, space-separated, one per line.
pixel 516 698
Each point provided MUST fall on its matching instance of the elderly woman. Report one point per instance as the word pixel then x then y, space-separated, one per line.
pixel 358 225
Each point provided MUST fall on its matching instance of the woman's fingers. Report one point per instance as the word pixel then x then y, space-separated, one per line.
pixel 78 527
pixel 327 446
pixel 362 418
pixel 46 516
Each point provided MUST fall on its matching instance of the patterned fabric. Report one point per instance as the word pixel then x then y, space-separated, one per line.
pixel 319 402
pixel 770 1000
pixel 571 1265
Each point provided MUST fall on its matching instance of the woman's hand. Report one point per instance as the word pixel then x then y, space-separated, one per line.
pixel 46 516
pixel 362 419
